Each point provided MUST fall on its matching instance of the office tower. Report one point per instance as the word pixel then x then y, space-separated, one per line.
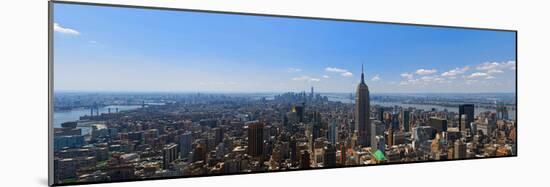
pixel 379 143
pixel 459 149
pixel 502 112
pixel 362 112
pixel 333 132
pixel 390 137
pixel 422 134
pixel 439 124
pixel 293 150
pixel 468 110
pixel 169 154
pixel 329 156
pixel 405 115
pixel 304 159
pixel 395 121
pixel 299 110
pixel 186 139
pixel 316 125
pixel 199 153
pixel 218 135
pixel 255 138
pixel 381 113
pixel 377 129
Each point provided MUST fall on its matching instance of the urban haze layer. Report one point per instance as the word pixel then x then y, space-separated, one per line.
pixel 124 136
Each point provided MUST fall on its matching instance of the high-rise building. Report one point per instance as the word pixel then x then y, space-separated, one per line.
pixel 312 93
pixel 293 151
pixel 390 137
pixel 218 135
pixel 299 110
pixel 186 139
pixel 255 138
pixel 329 156
pixel 304 159
pixel 377 129
pixel 199 153
pixel 459 150
pixel 379 143
pixel 169 154
pixel 405 115
pixel 468 111
pixel 502 112
pixel 362 112
pixel 439 124
pixel 316 125
pixel 333 132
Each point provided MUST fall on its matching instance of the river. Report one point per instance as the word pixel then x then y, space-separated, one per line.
pixel 75 114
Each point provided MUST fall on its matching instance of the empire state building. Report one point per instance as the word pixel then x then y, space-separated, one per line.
pixel 362 113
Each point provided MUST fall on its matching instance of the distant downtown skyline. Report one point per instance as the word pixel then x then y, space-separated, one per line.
pixel 125 49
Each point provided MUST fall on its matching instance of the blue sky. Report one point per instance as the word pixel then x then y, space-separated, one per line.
pixel 125 49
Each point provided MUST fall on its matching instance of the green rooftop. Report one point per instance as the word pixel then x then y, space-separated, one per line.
pixel 379 155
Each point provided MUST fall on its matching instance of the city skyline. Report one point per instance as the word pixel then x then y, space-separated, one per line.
pixel 119 113
pixel 270 54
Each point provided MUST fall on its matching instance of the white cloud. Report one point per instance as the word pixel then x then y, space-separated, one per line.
pixel 455 72
pixel 425 71
pixel 343 72
pixel 487 66
pixel 407 75
pixel 438 79
pixel 293 70
pixel 58 28
pixel 493 71
pixel 326 76
pixel 427 78
pixel 306 78
pixel 335 70
pixel 477 75
pixel 346 74
pixel 375 78
pixel 490 77
pixel 92 42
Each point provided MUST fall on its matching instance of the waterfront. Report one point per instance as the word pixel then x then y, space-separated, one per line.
pixel 60 117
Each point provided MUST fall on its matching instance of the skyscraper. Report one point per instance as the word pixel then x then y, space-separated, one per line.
pixel 405 115
pixel 459 150
pixel 299 110
pixel 329 156
pixel 439 124
pixel 362 112
pixel 186 139
pixel 333 132
pixel 468 110
pixel 255 138
pixel 169 154
pixel 304 159
pixel 502 112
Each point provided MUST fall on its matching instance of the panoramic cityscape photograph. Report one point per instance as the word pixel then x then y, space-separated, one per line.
pixel 148 93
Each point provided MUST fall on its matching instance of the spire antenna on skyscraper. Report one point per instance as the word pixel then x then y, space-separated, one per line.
pixel 362 75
